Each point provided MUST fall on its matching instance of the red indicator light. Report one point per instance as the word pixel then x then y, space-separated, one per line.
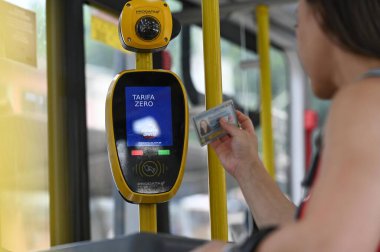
pixel 137 153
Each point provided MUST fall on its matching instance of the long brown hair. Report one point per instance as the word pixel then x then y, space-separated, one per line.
pixel 354 24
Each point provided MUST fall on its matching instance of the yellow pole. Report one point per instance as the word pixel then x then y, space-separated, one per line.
pixel 148 218
pixel 262 14
pixel 148 212
pixel 144 61
pixel 212 59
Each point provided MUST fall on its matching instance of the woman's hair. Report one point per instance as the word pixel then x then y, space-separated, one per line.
pixel 354 24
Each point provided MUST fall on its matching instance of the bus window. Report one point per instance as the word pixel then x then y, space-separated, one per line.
pixel 174 47
pixel 104 59
pixel 237 82
pixel 24 197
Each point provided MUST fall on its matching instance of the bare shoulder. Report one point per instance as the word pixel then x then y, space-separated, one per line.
pixel 353 125
pixel 361 95
pixel 350 168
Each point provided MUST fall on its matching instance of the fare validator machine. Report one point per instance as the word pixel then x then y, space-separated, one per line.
pixel 147 134
pixel 147 113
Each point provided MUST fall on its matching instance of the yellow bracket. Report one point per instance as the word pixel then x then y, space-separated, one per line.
pixel 148 218
pixel 144 61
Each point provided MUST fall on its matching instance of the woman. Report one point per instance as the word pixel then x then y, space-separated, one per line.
pixel 339 45
pixel 204 127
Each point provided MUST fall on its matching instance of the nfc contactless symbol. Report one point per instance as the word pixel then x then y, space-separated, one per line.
pixel 150 169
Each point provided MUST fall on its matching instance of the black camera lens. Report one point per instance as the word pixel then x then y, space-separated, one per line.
pixel 148 28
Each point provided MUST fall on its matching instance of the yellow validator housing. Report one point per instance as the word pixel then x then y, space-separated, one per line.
pixel 145 25
pixel 147 134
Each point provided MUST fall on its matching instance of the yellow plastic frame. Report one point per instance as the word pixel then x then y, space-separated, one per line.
pixel 122 185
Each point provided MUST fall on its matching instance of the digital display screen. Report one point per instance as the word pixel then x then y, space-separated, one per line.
pixel 149 116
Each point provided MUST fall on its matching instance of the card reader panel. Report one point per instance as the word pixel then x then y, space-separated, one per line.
pixel 149 117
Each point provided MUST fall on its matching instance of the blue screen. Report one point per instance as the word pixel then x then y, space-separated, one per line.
pixel 149 116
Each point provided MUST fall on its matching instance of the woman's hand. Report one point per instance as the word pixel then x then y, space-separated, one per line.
pixel 238 151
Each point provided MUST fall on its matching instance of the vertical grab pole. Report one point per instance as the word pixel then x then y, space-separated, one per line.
pixel 148 212
pixel 212 59
pixel 262 14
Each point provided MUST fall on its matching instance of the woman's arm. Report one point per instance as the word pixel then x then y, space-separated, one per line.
pixel 268 204
pixel 238 153
pixel 344 210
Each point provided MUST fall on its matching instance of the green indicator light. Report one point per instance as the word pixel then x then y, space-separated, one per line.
pixel 163 152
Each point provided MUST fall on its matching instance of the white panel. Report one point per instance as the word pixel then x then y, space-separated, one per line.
pixel 297 130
